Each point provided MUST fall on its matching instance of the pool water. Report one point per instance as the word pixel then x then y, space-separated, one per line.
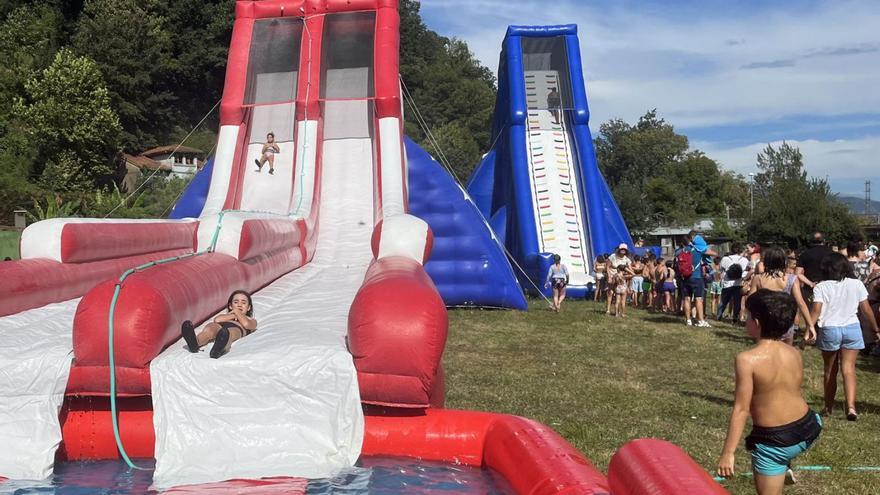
pixel 372 476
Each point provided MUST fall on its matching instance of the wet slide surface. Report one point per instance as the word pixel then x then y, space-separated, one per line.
pixel 35 355
pixel 285 400
pixel 559 212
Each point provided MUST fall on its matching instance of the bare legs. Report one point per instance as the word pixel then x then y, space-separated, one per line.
pixel 267 157
pixel 210 333
pixel 769 485
pixel 558 297
pixel 843 360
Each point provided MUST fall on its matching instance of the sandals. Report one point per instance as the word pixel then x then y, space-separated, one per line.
pixel 851 414
pixel 219 347
pixel 188 332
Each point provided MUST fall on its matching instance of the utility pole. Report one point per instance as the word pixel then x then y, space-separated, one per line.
pixel 751 194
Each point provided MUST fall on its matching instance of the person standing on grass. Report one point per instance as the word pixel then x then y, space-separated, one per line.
pixel 734 266
pixel 691 263
pixel 557 276
pixel 808 264
pixel 621 287
pixel 648 284
pixel 837 301
pixel 774 278
pixel 768 388
pixel 635 285
pixel 613 262
pixel 601 280
pixel 860 268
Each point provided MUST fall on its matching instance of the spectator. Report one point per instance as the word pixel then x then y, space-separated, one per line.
pixel 618 258
pixel 734 266
pixel 837 301
pixel 860 268
pixel 809 264
pixel 692 265
pixel 774 278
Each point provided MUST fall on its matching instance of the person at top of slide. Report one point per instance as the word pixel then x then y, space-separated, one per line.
pixel 554 102
pixel 768 388
pixel 267 154
pixel 237 323
pixel 557 276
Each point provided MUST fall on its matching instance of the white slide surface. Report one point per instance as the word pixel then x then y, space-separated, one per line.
pixel 35 355
pixel 284 401
pixel 559 213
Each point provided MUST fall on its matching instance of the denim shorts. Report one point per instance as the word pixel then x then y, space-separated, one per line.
pixel 835 338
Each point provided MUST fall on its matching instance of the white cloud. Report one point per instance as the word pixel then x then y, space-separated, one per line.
pixel 846 162
pixel 692 70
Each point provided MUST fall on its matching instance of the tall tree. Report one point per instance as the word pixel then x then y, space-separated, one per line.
pixel 68 119
pixel 789 205
pixel 133 50
pixel 454 93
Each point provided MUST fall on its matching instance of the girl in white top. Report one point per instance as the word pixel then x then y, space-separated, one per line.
pixel 836 303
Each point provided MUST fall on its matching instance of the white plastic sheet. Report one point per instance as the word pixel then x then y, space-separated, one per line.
pixel 35 355
pixel 284 401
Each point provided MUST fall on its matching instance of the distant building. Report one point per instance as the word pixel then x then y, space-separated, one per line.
pixel 871 224
pixel 171 161
pixel 666 237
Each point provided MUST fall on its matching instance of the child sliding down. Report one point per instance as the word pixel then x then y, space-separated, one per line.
pixel 768 387
pixel 237 323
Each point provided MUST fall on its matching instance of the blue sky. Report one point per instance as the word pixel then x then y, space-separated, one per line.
pixel 732 76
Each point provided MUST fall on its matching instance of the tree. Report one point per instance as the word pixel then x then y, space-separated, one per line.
pixel 131 46
pixel 657 180
pixel 455 94
pixel 29 38
pixel 67 116
pixel 790 206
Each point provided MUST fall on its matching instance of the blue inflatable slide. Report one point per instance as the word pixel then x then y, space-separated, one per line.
pixel 540 185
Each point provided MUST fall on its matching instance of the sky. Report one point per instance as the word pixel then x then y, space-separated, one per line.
pixel 732 76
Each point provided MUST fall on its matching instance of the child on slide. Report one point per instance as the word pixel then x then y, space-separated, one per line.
pixel 237 323
pixel 768 387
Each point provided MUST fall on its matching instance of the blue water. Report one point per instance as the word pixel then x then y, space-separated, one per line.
pixel 372 476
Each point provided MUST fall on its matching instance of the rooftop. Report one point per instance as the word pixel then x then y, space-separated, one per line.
pixel 180 150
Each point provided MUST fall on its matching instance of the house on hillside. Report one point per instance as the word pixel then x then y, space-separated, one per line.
pixel 170 161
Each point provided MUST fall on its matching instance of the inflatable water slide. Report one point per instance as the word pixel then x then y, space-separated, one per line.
pixel 540 185
pixel 346 362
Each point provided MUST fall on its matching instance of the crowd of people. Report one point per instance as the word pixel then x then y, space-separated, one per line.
pixel 823 296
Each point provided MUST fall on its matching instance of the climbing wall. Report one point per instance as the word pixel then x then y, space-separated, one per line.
pixel 552 174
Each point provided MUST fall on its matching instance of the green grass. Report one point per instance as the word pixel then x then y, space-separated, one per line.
pixel 9 244
pixel 601 381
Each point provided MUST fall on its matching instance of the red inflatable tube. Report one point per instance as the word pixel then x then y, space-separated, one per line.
pixel 95 381
pixel 387 45
pixel 397 328
pixel 656 467
pixel 153 303
pixel 530 456
pixel 84 242
pixel 33 283
pixel 261 236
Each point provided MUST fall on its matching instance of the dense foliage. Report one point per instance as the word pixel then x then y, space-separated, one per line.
pixel 88 79
pixel 658 180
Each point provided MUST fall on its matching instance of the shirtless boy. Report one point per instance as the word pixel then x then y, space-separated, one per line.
pixel 768 386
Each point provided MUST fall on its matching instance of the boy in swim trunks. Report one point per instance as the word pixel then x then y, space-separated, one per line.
pixel 768 386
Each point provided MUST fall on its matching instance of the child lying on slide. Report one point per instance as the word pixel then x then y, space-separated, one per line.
pixel 237 323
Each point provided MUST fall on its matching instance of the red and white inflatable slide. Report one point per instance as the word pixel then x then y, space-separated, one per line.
pixel 348 319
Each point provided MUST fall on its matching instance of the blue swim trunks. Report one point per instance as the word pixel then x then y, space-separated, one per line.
pixel 774 448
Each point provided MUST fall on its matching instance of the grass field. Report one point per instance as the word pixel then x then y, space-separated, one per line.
pixel 9 244
pixel 601 381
